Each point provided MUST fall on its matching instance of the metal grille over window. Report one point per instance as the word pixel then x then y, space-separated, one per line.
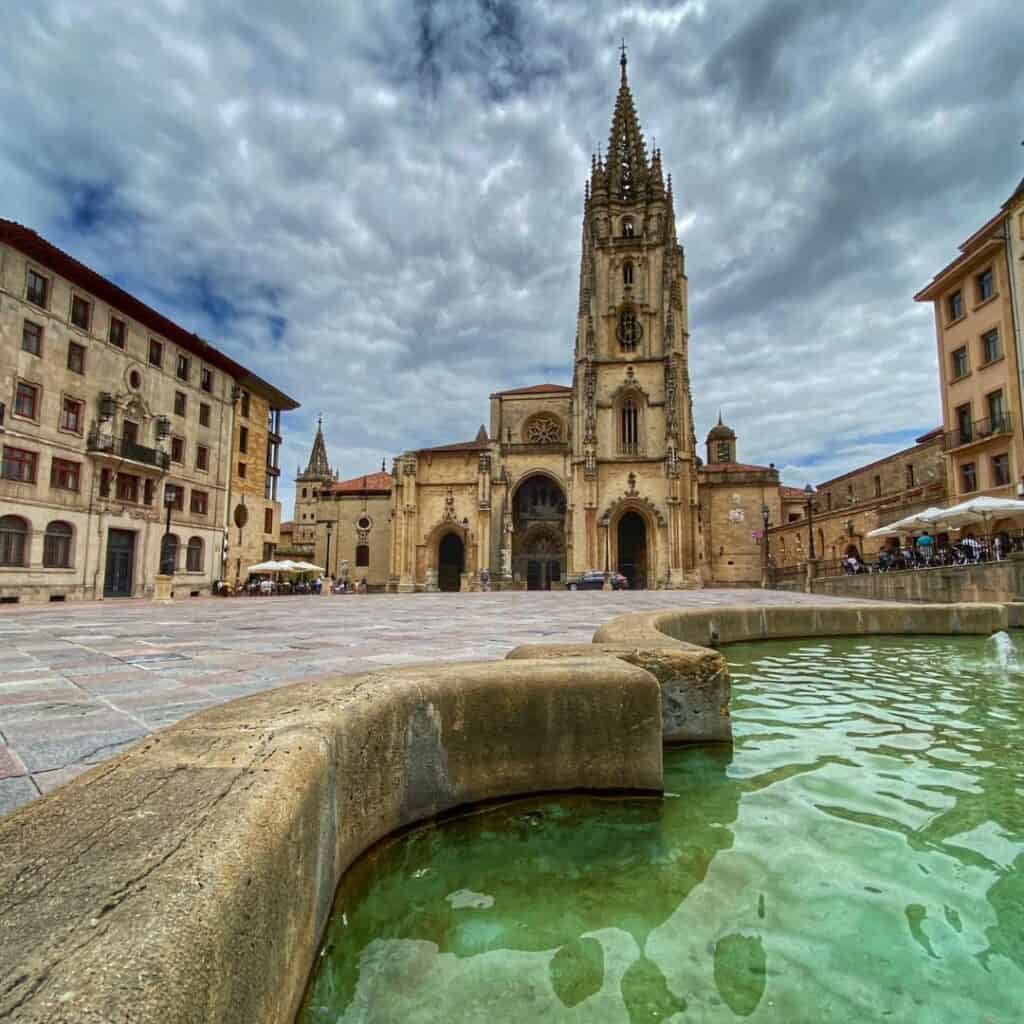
pixel 630 428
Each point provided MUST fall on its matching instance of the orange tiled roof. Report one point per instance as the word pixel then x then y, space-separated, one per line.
pixel 535 389
pixel 371 483
pixel 792 493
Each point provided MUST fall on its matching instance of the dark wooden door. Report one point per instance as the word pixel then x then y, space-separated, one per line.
pixel 120 563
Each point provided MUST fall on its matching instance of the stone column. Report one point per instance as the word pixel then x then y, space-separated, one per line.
pixel 812 572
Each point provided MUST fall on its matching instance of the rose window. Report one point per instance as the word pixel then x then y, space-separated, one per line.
pixel 543 430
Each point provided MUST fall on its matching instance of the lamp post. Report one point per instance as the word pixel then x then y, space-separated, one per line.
pixel 170 497
pixel 809 491
pixel 327 567
pixel 765 514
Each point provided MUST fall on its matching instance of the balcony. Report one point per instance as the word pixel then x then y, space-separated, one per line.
pixel 123 448
pixel 978 431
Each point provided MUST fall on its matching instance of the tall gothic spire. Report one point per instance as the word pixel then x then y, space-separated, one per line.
pixel 626 165
pixel 318 466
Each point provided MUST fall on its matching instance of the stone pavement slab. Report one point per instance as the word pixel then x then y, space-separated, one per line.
pixel 80 682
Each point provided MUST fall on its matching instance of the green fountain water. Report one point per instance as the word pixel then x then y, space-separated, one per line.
pixel 858 856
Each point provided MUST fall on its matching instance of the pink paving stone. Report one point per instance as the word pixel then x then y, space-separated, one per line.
pixel 10 765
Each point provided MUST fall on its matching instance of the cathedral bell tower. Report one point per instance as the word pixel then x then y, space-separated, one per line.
pixel 634 476
pixel 308 484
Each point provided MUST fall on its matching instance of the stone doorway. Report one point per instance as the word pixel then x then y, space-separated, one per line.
pixel 119 576
pixel 632 549
pixel 538 541
pixel 451 562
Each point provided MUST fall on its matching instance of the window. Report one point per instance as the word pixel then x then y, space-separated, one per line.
pixel 76 357
pixel 955 305
pixel 986 285
pixel 130 432
pixel 723 451
pixel 629 428
pixel 362 556
pixel 19 464
pixel 204 414
pixel 179 497
pixel 627 227
pixel 960 364
pixel 878 486
pixel 38 290
pixel 268 488
pixel 72 415
pixel 268 520
pixel 127 488
pixel 177 449
pixel 199 503
pixel 118 333
pixel 169 553
pixel 194 555
pixel 627 274
pixel 81 312
pixel 147 491
pixel 104 483
pixel 182 368
pixel 245 404
pixel 963 424
pixel 206 380
pixel 910 476
pixel 968 477
pixel 304 492
pixel 180 403
pixel 65 475
pixel 156 352
pixel 57 546
pixel 241 470
pixel 1000 470
pixel 243 439
pixel 202 457
pixel 13 540
pixel 32 338
pixel 998 419
pixel 990 347
pixel 828 499
pixel 26 400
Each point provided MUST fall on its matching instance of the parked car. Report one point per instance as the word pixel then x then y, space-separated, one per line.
pixel 594 580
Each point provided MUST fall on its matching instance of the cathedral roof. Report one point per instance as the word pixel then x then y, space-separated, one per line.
pixel 481 443
pixel 370 483
pixel 318 468
pixel 720 432
pixel 535 389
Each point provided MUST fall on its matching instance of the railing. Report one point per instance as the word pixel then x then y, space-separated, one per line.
pixel 979 430
pixel 125 448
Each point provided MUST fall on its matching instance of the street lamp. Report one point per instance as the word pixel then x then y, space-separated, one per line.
pixel 170 497
pixel 809 492
pixel 327 568
pixel 765 514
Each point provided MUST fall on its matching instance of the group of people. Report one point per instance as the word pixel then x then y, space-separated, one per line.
pixel 266 586
pixel 925 552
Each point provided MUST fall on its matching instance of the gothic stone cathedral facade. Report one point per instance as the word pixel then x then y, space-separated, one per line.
pixel 604 475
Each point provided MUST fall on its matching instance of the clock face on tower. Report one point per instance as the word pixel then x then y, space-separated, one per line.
pixel 629 331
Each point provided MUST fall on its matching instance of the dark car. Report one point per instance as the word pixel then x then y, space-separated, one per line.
pixel 595 581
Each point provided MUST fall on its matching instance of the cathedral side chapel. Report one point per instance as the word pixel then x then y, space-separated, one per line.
pixel 603 475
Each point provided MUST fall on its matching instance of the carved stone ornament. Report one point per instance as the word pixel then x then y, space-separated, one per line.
pixel 543 430
pixel 629 330
pixel 449 505
pixel 631 491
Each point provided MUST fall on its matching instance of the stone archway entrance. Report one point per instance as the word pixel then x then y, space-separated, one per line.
pixel 538 540
pixel 451 562
pixel 632 549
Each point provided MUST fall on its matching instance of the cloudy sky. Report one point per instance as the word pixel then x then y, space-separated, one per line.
pixel 377 205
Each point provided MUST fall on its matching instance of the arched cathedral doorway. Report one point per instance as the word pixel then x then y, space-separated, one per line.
pixel 538 540
pixel 451 562
pixel 632 549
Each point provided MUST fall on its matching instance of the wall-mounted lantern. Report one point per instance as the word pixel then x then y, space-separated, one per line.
pixel 163 428
pixel 108 405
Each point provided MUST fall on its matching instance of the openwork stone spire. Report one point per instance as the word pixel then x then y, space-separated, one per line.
pixel 318 466
pixel 626 165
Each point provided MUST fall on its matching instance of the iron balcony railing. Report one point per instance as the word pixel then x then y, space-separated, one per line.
pixel 979 430
pixel 124 448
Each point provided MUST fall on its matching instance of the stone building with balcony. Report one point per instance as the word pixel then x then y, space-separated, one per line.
pixel 107 407
pixel 978 318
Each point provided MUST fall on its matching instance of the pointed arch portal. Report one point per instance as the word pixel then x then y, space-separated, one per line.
pixel 538 540
pixel 451 562
pixel 632 549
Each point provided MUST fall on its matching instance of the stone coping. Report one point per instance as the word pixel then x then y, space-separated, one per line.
pixel 190 879
pixel 738 623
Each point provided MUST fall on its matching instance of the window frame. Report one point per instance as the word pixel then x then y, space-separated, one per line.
pixel 64 470
pixel 73 347
pixel 182 367
pixel 206 379
pixel 40 330
pixel 177 445
pixel 7 559
pixel 964 467
pixel 180 399
pixel 77 297
pixel 20 382
pixel 992 332
pixel 243 440
pixel 203 458
pixel 199 502
pixel 123 343
pixel 195 544
pixel 156 349
pixel 63 542
pixel 31 460
pixel 204 414
pixel 65 400
pixel 30 273
pixel 960 351
pixel 955 306
pixel 986 277
pixel 994 463
pixel 126 494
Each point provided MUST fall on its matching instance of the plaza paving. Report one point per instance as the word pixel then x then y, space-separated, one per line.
pixel 80 683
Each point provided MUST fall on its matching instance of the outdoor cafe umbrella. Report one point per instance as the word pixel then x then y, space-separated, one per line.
pixel 918 521
pixel 270 567
pixel 982 510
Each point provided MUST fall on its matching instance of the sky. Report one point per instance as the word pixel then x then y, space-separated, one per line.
pixel 377 206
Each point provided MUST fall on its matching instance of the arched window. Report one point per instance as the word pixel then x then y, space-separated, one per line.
pixel 13 541
pixel 629 428
pixel 627 274
pixel 627 227
pixel 362 556
pixel 57 546
pixel 194 555
pixel 169 554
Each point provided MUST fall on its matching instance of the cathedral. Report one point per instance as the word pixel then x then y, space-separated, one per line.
pixel 600 476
